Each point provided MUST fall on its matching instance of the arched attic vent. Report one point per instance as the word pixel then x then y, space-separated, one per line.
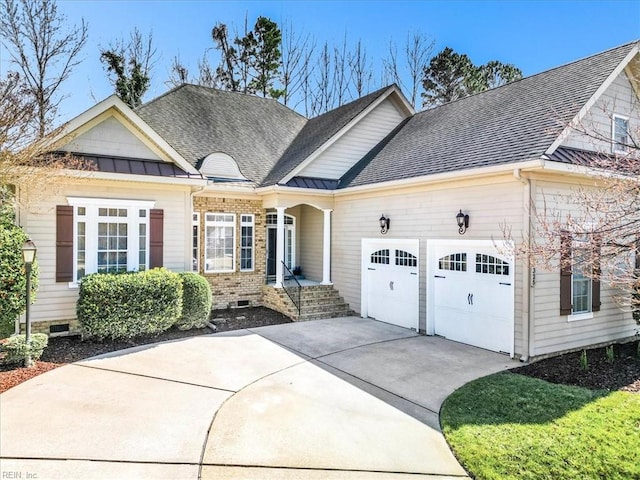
pixel 219 165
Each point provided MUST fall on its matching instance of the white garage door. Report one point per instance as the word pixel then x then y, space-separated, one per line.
pixel 471 294
pixel 390 281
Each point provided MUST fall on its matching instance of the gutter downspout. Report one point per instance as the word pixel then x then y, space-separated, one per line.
pixel 527 297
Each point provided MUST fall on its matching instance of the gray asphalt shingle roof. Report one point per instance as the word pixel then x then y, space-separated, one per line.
pixel 317 131
pixel 512 123
pixel 197 121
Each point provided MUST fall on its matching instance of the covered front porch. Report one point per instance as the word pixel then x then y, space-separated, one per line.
pixel 298 240
pixel 298 258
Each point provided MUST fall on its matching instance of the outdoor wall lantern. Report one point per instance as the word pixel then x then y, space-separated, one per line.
pixel 384 224
pixel 28 255
pixel 463 222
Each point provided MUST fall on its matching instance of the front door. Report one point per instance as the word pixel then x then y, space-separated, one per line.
pixel 271 253
pixel 289 244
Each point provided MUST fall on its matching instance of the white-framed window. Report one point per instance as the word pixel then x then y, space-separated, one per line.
pixel 620 133
pixel 246 242
pixel 195 242
pixel 110 236
pixel 581 282
pixel 220 240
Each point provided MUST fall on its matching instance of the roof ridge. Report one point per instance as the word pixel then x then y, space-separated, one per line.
pixel 564 65
pixel 153 100
pixel 373 94
pixel 219 91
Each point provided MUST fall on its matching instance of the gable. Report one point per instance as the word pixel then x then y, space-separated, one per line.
pixel 110 137
pixel 594 131
pixel 345 152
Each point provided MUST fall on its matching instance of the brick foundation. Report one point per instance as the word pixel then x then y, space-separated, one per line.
pixel 45 327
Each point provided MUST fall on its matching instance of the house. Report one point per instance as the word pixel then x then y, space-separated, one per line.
pixel 365 198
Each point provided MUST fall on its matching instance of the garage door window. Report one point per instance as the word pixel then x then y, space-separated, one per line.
pixel 455 262
pixel 380 257
pixel 405 259
pixel 491 265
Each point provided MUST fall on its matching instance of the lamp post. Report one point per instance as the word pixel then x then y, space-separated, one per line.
pixel 28 255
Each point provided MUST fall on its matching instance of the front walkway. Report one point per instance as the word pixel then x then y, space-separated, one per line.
pixel 340 398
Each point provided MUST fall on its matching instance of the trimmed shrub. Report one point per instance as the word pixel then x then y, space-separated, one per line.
pixel 13 280
pixel 196 301
pixel 127 305
pixel 15 347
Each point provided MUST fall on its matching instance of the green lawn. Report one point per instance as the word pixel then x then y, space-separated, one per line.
pixel 508 426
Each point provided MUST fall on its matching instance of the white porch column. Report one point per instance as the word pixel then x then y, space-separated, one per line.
pixel 279 246
pixel 326 248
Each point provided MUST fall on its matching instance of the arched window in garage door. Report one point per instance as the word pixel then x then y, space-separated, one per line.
pixel 491 265
pixel 456 262
pixel 380 257
pixel 406 259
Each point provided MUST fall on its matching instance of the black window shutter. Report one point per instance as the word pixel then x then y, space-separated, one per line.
pixel 64 243
pixel 156 238
pixel 565 273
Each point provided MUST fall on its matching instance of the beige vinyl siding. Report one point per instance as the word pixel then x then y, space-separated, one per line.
pixel 336 160
pixel 424 213
pixel 618 99
pixel 310 241
pixel 551 331
pixel 56 300
pixel 110 138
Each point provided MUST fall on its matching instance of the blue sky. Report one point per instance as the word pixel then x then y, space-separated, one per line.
pixel 534 35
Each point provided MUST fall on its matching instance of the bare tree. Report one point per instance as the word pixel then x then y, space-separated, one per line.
pixel 341 79
pixel 178 74
pixel 297 51
pixel 322 92
pixel 26 161
pixel 407 71
pixel 130 63
pixel 390 66
pixel 206 73
pixel 418 50
pixel 360 69
pixel 44 48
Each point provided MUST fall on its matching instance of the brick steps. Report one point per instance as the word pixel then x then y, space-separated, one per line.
pixel 317 302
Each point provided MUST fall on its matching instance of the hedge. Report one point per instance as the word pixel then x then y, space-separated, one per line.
pixel 15 347
pixel 13 280
pixel 126 305
pixel 196 301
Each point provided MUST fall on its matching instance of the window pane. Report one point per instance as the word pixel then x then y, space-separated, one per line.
pixel 195 243
pixel 80 252
pixel 246 242
pixel 580 280
pixel 219 242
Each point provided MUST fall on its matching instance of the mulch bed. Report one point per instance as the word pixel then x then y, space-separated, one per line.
pixel 63 350
pixel 601 374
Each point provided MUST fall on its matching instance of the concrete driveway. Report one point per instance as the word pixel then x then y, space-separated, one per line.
pixel 342 398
